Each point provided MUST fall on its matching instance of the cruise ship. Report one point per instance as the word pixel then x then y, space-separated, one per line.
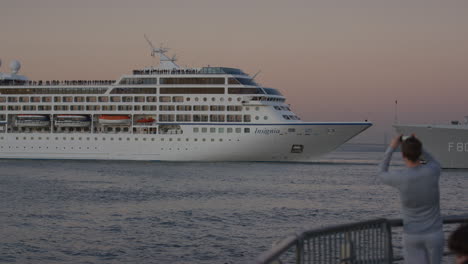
pixel 163 112
pixel 447 143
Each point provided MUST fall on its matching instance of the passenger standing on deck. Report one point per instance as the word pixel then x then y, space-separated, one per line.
pixel 418 184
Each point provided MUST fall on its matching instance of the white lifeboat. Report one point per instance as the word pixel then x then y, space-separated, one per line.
pixel 32 121
pixel 72 121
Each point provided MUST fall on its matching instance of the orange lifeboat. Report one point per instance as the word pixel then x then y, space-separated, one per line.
pixel 114 120
pixel 146 120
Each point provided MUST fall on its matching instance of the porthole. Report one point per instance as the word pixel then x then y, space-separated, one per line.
pixel 265 117
pixel 257 108
pixel 162 139
pixel 187 139
pixel 178 139
pixel 187 99
pixel 256 117
pixel 204 139
pixel 212 140
pixel 221 99
pixel 204 99
pixel 39 138
pixel 136 139
pixel 247 108
pixel 80 138
pixel 128 139
pixel 111 139
pixel 229 99
pixel 72 138
pixel 104 139
pixel 64 138
pixel 56 138
pixel 213 99
pixel 196 99
pixel 195 139
pixel 152 139
pixel 238 99
pixel 170 139
pixel 144 139
pixel 96 138
pixel 220 140
pixel 120 139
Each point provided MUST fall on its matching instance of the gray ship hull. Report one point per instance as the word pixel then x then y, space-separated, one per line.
pixel 447 143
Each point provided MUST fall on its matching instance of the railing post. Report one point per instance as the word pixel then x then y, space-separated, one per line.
pixel 300 251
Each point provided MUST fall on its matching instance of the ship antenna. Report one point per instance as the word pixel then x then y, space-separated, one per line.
pixel 164 61
pixel 396 112
pixel 255 75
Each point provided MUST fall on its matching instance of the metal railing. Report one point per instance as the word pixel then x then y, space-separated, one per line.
pixel 363 242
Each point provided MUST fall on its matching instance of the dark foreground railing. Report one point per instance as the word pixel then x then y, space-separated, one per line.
pixel 375 241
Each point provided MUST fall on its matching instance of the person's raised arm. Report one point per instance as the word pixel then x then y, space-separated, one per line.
pixel 386 176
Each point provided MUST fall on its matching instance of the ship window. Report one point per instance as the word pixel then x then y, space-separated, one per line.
pixel 286 117
pixel 195 130
pixel 245 91
pixel 291 130
pixel 187 90
pixel 221 130
pixel 177 99
pixel 238 130
pixel 122 90
pixel 229 130
pixel 115 99
pixel 243 81
pixel 265 117
pixel 151 99
pixel 212 130
pixel 103 99
pixel 246 130
pixel 91 99
pixel 78 99
pixel 127 99
pixel 246 118
pixel 192 80
pixel 139 81
pixel 204 130
pixel 164 99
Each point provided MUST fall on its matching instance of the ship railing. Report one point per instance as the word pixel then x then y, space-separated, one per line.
pixel 62 83
pixel 373 241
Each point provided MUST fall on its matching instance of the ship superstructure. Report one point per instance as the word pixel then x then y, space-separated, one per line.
pixel 159 113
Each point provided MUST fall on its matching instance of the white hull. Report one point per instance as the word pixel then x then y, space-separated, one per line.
pixel 447 143
pixel 264 142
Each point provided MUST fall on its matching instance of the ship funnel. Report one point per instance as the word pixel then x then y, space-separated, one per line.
pixel 15 66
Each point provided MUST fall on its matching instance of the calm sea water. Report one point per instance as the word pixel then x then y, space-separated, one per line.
pixel 163 212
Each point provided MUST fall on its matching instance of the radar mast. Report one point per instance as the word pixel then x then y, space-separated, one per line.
pixel 164 61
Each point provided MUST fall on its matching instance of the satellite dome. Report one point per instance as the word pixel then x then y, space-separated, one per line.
pixel 15 66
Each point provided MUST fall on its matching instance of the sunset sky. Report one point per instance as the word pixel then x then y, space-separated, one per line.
pixel 343 60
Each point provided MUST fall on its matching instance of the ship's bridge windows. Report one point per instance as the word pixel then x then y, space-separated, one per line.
pixel 128 90
pixel 139 81
pixel 245 91
pixel 192 81
pixel 191 90
pixel 272 91
pixel 243 81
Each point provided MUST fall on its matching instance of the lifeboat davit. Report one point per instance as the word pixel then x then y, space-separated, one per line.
pixel 146 120
pixel 114 120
